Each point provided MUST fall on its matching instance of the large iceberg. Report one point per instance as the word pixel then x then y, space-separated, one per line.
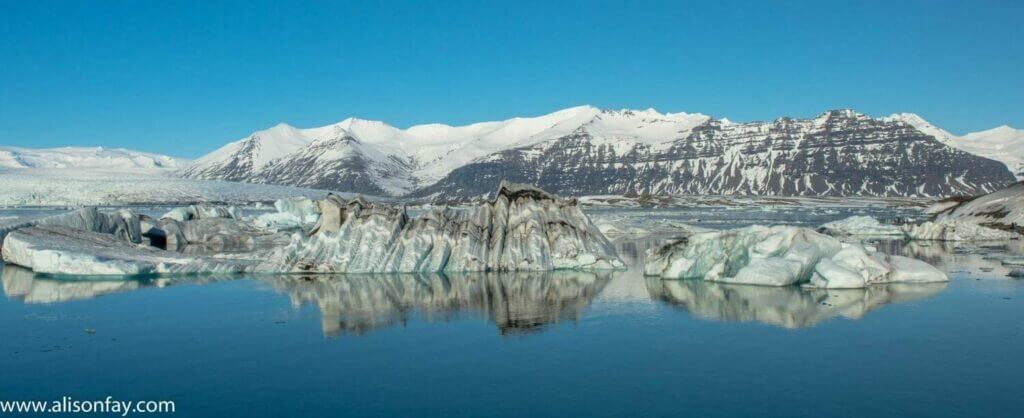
pixel 522 229
pixel 782 256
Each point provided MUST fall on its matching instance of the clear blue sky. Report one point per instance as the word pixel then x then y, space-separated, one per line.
pixel 182 78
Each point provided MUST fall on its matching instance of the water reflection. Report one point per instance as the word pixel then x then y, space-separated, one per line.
pixel 984 259
pixel 514 302
pixel 788 307
pixel 24 285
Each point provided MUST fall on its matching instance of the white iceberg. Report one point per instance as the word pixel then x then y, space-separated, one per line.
pixel 855 267
pixel 69 251
pixel 293 213
pixel 782 256
pixel 859 225
pixel 196 212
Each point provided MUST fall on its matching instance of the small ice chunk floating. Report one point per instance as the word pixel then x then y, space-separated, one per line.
pixel 522 229
pixel 783 256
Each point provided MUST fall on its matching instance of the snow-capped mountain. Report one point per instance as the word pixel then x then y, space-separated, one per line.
pixel 85 157
pixel 585 150
pixel 839 153
pixel 1003 144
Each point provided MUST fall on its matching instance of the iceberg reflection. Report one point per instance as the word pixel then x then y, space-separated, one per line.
pixel 516 302
pixel 22 284
pixel 788 307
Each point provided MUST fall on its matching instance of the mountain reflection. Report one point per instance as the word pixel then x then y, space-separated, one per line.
pixel 788 307
pixel 516 302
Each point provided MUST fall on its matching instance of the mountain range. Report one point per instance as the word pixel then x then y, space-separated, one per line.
pixel 585 151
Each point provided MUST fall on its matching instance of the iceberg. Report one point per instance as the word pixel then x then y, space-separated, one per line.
pixel 69 251
pixel 522 229
pixel 956 230
pixel 293 213
pixel 855 267
pixel 122 224
pixel 782 256
pixel 859 225
pixel 195 212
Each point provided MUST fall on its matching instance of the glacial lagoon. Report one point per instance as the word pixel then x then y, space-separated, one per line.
pixel 561 343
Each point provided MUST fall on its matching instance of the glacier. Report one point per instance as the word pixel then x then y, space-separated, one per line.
pixel 782 256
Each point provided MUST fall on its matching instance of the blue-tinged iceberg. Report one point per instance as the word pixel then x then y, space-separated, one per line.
pixel 783 256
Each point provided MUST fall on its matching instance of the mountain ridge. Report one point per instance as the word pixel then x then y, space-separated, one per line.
pixel 415 161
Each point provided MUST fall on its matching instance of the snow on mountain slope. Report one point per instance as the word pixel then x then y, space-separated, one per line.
pixel 339 161
pixel 1003 144
pixel 240 160
pixel 84 157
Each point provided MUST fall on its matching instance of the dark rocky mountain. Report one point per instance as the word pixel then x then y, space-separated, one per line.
pixel 839 153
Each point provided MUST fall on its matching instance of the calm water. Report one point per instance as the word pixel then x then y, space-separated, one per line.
pixel 553 344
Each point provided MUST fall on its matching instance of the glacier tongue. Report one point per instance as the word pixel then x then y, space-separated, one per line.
pixel 522 229
pixel 782 256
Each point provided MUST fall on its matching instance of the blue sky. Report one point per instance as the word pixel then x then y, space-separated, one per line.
pixel 183 78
